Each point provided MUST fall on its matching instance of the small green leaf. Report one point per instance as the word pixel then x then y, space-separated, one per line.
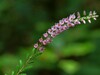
pixel 28 67
pixel 12 73
pixel 69 66
pixel 33 50
pixel 20 61
pixel 27 55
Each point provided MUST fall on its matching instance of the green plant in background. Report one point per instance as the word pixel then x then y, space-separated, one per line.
pixel 47 37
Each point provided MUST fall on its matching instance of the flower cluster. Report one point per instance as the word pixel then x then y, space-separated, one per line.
pixel 63 25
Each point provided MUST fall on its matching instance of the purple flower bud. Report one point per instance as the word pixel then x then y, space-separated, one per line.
pixel 65 27
pixel 71 17
pixel 44 42
pixel 48 40
pixel 61 22
pixel 66 20
pixel 77 21
pixel 54 28
pixel 50 31
pixel 36 45
pixel 70 24
pixel 53 35
pixel 41 49
pixel 57 32
pixel 58 25
pixel 45 35
pixel 41 40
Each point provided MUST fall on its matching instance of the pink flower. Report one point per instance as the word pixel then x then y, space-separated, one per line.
pixel 61 29
pixel 50 31
pixel 57 25
pixel 54 28
pixel 77 21
pixel 41 40
pixel 53 35
pixel 36 45
pixel 65 27
pixel 41 49
pixel 70 24
pixel 66 20
pixel 48 40
pixel 57 32
pixel 71 17
pixel 45 35
pixel 61 22
pixel 44 42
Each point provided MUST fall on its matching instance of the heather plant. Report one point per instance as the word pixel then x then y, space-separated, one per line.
pixel 56 29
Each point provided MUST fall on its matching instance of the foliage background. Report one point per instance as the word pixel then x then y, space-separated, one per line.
pixel 74 52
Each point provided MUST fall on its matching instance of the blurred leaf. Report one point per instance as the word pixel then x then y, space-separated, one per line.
pixel 89 69
pixel 78 49
pixel 12 73
pixel 8 61
pixel 23 74
pixel 95 34
pixel 4 5
pixel 20 61
pixel 69 66
pixel 49 56
pixel 28 67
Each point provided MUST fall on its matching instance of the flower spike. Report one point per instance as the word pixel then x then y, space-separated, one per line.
pixel 63 25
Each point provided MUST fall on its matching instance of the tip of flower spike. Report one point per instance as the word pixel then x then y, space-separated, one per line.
pixel 92 14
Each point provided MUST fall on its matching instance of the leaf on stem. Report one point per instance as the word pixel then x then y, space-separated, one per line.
pixel 12 73
pixel 20 62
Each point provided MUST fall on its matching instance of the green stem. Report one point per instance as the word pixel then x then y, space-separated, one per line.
pixel 33 55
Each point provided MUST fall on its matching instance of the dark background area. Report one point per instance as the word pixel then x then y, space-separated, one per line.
pixel 74 52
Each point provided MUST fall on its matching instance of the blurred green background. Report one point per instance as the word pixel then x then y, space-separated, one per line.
pixel 74 52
